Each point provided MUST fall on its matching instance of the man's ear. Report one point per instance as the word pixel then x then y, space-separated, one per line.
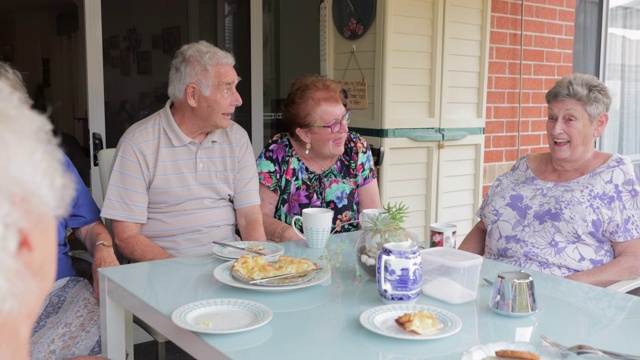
pixel 191 94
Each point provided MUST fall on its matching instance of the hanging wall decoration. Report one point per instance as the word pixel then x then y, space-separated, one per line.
pixel 357 90
pixel 353 18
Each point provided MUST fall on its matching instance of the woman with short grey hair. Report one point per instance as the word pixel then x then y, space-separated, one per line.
pixel 573 211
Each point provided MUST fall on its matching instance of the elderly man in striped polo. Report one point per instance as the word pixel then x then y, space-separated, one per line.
pixel 186 175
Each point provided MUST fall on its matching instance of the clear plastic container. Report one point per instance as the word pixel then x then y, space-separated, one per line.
pixel 450 275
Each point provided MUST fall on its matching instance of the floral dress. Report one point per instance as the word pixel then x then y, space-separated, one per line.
pixel 561 228
pixel 297 187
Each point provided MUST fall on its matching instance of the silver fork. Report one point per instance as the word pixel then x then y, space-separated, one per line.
pixel 587 350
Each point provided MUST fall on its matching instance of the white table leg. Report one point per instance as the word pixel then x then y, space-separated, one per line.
pixel 116 325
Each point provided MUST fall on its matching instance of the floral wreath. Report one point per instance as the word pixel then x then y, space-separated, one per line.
pixel 353 30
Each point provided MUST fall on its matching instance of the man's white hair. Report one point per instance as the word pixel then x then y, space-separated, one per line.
pixel 192 64
pixel 33 175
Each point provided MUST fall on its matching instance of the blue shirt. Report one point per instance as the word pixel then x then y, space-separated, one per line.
pixel 84 211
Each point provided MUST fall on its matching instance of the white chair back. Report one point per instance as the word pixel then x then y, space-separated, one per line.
pixel 105 164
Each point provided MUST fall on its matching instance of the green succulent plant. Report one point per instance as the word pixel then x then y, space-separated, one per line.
pixel 387 227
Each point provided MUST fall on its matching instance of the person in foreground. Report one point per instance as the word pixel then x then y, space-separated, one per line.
pixel 573 211
pixel 318 162
pixel 69 323
pixel 186 175
pixel 35 190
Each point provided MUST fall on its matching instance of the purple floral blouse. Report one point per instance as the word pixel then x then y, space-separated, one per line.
pixel 297 187
pixel 561 228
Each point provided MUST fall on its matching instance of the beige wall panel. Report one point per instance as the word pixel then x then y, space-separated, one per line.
pixel 409 115
pixel 465 47
pixel 417 170
pixel 463 95
pixel 415 8
pixel 458 216
pixel 411 42
pixel 411 76
pixel 469 65
pixel 408 93
pixel 465 31
pixel 464 79
pixel 464 60
pixel 412 25
pixel 412 59
pixel 407 175
pixel 407 154
pixel 365 43
pixel 459 113
pixel 408 188
pixel 466 13
pixel 477 4
pixel 365 59
pixel 458 197
pixel 460 171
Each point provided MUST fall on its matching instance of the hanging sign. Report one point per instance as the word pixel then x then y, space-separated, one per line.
pixel 357 90
pixel 358 93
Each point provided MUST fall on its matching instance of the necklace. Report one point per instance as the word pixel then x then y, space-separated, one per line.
pixel 322 167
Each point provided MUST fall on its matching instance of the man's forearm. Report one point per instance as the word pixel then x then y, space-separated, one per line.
pixel 135 246
pixel 139 248
pixel 250 223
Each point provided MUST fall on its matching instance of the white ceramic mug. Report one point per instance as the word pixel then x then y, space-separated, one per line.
pixel 316 225
pixel 443 234
pixel 367 214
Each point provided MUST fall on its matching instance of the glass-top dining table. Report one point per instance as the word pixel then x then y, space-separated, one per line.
pixel 323 321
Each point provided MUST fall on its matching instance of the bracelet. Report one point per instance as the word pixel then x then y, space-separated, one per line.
pixel 281 232
pixel 104 243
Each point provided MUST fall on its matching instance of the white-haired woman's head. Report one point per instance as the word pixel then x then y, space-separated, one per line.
pixel 14 78
pixel 33 177
pixel 193 64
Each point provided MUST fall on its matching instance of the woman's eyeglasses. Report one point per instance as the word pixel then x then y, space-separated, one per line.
pixel 336 125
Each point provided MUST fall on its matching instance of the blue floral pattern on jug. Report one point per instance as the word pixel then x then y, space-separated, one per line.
pixel 399 273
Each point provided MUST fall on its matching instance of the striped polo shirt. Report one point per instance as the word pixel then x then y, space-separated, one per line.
pixel 182 192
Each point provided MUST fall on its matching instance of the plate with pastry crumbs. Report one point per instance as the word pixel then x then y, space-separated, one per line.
pixel 228 253
pixel 429 322
pixel 221 316
pixel 512 350
pixel 223 273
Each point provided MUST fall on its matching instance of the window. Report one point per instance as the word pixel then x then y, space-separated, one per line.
pixel 616 60
pixel 622 76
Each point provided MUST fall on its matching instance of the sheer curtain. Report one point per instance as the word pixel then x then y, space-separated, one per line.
pixel 622 76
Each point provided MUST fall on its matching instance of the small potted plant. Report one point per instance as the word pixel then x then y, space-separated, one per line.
pixel 379 230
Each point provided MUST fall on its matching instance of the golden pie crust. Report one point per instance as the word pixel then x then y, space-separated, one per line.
pixel 257 267
pixel 517 354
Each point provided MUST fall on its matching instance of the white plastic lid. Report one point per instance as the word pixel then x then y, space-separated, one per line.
pixel 452 257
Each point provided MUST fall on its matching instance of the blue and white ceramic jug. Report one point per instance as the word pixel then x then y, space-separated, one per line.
pixel 399 272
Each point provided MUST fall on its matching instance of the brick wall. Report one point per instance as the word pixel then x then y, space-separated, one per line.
pixel 540 33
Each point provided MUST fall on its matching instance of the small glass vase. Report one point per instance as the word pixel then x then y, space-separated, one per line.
pixel 370 244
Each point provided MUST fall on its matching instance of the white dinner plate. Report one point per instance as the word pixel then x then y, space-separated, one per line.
pixel 228 253
pixel 382 320
pixel 221 316
pixel 223 274
pixel 488 351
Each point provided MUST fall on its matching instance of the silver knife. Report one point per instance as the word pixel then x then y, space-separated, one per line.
pixel 240 248
pixel 286 276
